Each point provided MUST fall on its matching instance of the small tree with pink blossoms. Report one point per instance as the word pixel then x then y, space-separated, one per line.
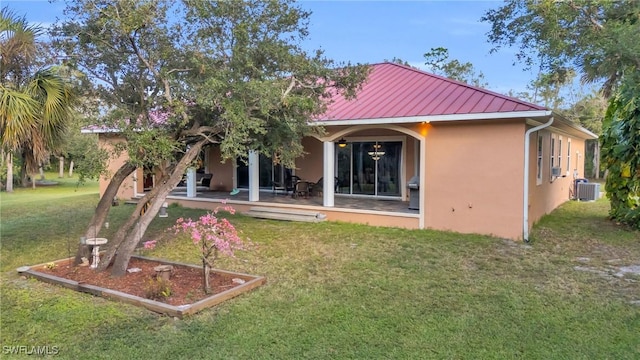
pixel 212 236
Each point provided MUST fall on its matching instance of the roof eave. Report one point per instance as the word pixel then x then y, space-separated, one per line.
pixel 575 126
pixel 438 118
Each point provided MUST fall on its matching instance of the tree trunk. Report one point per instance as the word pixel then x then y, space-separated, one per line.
pixel 102 210
pixel 61 167
pixel 125 229
pixel 9 172
pixel 24 177
pixel 71 168
pixel 596 159
pixel 206 270
pixel 127 247
pixel 41 171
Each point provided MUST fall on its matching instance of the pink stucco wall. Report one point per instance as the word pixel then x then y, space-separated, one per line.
pixel 549 193
pixel 223 172
pixel 108 141
pixel 474 177
pixel 309 167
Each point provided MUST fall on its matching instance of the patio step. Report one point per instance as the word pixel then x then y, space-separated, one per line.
pixel 264 212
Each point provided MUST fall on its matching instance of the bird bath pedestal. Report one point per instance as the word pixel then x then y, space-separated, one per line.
pixel 95 243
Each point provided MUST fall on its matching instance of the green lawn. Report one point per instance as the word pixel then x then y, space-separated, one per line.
pixel 340 291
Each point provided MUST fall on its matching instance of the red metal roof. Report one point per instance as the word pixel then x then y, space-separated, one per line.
pixel 397 91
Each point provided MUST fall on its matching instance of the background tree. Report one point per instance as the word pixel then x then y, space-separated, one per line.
pixel 399 61
pixel 621 152
pixel 599 39
pixel 226 73
pixel 35 101
pixel 438 60
pixel 556 91
pixel 596 38
pixel 589 112
pixel 82 150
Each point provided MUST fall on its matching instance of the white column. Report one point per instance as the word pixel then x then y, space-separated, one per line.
pixel 328 174
pixel 254 176
pixel 191 182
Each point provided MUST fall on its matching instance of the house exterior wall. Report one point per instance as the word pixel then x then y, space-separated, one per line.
pixel 223 173
pixel 474 174
pixel 474 177
pixel 548 193
pixel 309 167
pixel 108 142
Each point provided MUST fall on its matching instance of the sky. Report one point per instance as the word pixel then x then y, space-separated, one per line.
pixel 374 31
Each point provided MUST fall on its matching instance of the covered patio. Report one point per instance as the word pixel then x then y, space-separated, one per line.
pixel 380 212
pixel 286 199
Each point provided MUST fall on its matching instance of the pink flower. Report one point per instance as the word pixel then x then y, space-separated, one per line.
pixel 211 235
pixel 150 244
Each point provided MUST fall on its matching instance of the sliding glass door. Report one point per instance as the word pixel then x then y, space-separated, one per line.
pixel 269 173
pixel 370 168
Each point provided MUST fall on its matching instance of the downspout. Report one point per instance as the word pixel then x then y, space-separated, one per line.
pixel 525 188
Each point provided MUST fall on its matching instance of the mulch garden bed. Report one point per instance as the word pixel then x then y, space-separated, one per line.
pixel 186 282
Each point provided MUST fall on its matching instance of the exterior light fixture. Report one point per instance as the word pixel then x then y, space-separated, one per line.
pixel 342 143
pixel 377 152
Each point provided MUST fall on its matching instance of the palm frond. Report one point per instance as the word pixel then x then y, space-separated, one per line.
pixel 18 44
pixel 19 114
pixel 56 97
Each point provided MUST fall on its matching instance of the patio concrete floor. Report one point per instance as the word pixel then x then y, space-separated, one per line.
pixel 340 200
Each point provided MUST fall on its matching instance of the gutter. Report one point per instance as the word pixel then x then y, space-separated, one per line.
pixel 525 187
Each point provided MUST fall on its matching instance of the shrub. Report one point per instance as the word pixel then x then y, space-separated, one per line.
pixel 157 289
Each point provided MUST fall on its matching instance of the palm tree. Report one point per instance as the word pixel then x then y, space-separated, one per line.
pixel 35 104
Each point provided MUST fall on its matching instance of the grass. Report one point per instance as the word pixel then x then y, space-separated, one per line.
pixel 340 290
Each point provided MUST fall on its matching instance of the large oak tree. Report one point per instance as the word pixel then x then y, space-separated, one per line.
pixel 178 76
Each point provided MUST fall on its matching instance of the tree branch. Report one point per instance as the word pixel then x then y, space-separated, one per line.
pixel 156 73
pixel 289 88
pixel 178 70
pixel 584 12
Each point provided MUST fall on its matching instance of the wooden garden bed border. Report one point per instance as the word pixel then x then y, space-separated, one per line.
pixel 177 311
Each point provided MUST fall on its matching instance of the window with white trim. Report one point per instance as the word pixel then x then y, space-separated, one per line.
pixel 568 155
pixel 560 153
pixel 539 159
pixel 552 155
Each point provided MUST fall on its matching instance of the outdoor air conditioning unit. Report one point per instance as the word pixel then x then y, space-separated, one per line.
pixel 588 191
pixel 556 171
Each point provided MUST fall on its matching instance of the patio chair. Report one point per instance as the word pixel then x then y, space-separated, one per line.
pixel 290 182
pixel 206 180
pixel 301 189
pixel 317 188
pixel 278 186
